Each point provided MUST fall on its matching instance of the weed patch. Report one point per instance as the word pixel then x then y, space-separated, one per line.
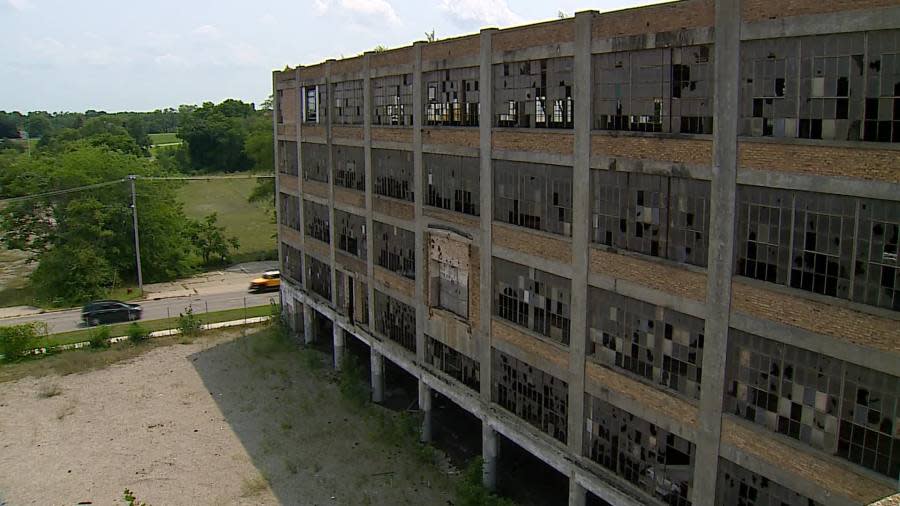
pixel 49 390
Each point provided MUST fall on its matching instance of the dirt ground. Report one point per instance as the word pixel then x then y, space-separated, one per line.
pixel 223 420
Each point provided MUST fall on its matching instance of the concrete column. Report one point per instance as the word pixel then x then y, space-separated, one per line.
pixel 308 335
pixel 425 406
pixel 489 456
pixel 338 345
pixel 581 186
pixel 577 493
pixel 370 186
pixel 332 229
pixel 377 367
pixel 419 188
pixel 721 248
pixel 486 188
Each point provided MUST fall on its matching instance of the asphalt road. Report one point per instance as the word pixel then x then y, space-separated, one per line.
pixel 63 321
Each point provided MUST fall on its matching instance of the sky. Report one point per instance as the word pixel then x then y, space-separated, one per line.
pixel 65 55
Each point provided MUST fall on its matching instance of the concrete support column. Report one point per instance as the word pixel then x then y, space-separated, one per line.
pixel 486 189
pixel 721 248
pixel 577 493
pixel 332 229
pixel 308 336
pixel 338 345
pixel 425 406
pixel 377 367
pixel 489 456
pixel 370 186
pixel 419 188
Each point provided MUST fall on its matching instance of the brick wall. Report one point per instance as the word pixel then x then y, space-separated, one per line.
pixel 523 140
pixel 312 72
pixel 753 10
pixel 833 161
pixel 541 34
pixel 449 330
pixel 349 197
pixel 536 352
pixel 288 130
pixel 396 282
pixel 346 65
pixel 654 275
pixel 462 220
pixel 474 287
pixel 316 188
pixel 539 245
pixel 350 263
pixel 347 132
pixel 318 249
pixel 688 151
pixel 452 48
pixel 290 236
pixel 657 18
pixel 311 133
pixel 289 184
pixel 397 56
pixel 392 207
pixel 833 478
pixel 289 105
pixel 457 137
pixel 392 134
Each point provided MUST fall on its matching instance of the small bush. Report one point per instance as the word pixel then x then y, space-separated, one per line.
pixel 17 339
pixel 188 323
pixel 352 385
pixel 471 492
pixel 137 333
pixel 131 499
pixel 100 337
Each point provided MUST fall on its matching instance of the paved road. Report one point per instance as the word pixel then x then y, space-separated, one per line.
pixel 62 321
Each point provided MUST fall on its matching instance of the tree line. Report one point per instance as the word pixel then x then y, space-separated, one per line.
pixel 83 241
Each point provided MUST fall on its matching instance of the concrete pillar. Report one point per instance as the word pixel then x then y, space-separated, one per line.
pixel 489 456
pixel 308 335
pixel 486 189
pixel 370 186
pixel 577 493
pixel 721 248
pixel 377 367
pixel 419 186
pixel 338 345
pixel 425 406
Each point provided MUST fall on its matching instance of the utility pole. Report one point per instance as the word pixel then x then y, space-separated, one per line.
pixel 137 241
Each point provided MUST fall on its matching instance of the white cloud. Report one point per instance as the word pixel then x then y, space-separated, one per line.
pixel 363 9
pixel 481 12
pixel 207 31
pixel 20 5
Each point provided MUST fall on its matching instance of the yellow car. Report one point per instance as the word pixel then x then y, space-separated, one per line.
pixel 270 281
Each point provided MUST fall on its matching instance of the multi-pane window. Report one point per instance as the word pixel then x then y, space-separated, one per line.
pixel 448 273
pixel 318 277
pixel 656 343
pixel 882 107
pixel 533 298
pixel 453 182
pixel 458 366
pixel 646 455
pixel 831 82
pixel 349 167
pixel 654 90
pixel 395 249
pixel 823 244
pixel 738 485
pixel 763 233
pixel 290 211
pixel 348 102
pixel 312 103
pixel 533 395
pixel 351 233
pixel 655 215
pixel 877 270
pixel 769 88
pixel 315 216
pixel 393 173
pixel 287 157
pixel 533 195
pixel 392 100
pixel 452 97
pixel 534 93
pixel 395 320
pixel 314 158
pixel 834 406
pixel 293 262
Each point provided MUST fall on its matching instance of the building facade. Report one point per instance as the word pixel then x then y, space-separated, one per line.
pixel 656 248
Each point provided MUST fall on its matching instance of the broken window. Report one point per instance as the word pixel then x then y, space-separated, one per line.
pixel 279 115
pixel 453 363
pixel 318 277
pixel 289 206
pixel 533 195
pixel 395 320
pixel 292 262
pixel 763 233
pixel 392 100
pixel 653 342
pixel 531 394
pixel 314 158
pixel 287 157
pixel 316 218
pixel 739 485
pixel 877 270
pixel 348 102
pixel 349 167
pixel 823 243
pixel 311 103
pixel 831 81
pixel 659 216
pixel 452 97
pixel 448 272
pixel 882 92
pixel 351 230
pixel 769 88
pixel 534 94
pixel 533 298
pixel 395 249
pixel 646 455
pixel 834 406
pixel 393 173
pixel 453 182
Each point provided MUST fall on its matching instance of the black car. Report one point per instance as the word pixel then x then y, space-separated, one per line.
pixel 109 311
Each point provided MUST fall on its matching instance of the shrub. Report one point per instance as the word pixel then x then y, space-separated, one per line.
pixel 188 323
pixel 17 339
pixel 471 492
pixel 137 333
pixel 352 385
pixel 100 337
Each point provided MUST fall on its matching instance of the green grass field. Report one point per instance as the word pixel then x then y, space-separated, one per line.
pixel 228 197
pixel 164 138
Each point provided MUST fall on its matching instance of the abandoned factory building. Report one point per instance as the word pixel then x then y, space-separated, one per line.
pixel 655 248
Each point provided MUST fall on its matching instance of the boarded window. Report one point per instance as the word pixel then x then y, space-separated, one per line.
pixel 448 271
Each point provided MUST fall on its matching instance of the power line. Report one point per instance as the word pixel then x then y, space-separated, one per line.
pixel 54 193
pixel 205 178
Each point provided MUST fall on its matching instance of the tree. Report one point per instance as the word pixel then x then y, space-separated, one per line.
pixel 215 136
pixel 210 241
pixel 9 127
pixel 38 124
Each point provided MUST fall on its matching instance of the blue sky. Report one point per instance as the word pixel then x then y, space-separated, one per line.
pixel 121 55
